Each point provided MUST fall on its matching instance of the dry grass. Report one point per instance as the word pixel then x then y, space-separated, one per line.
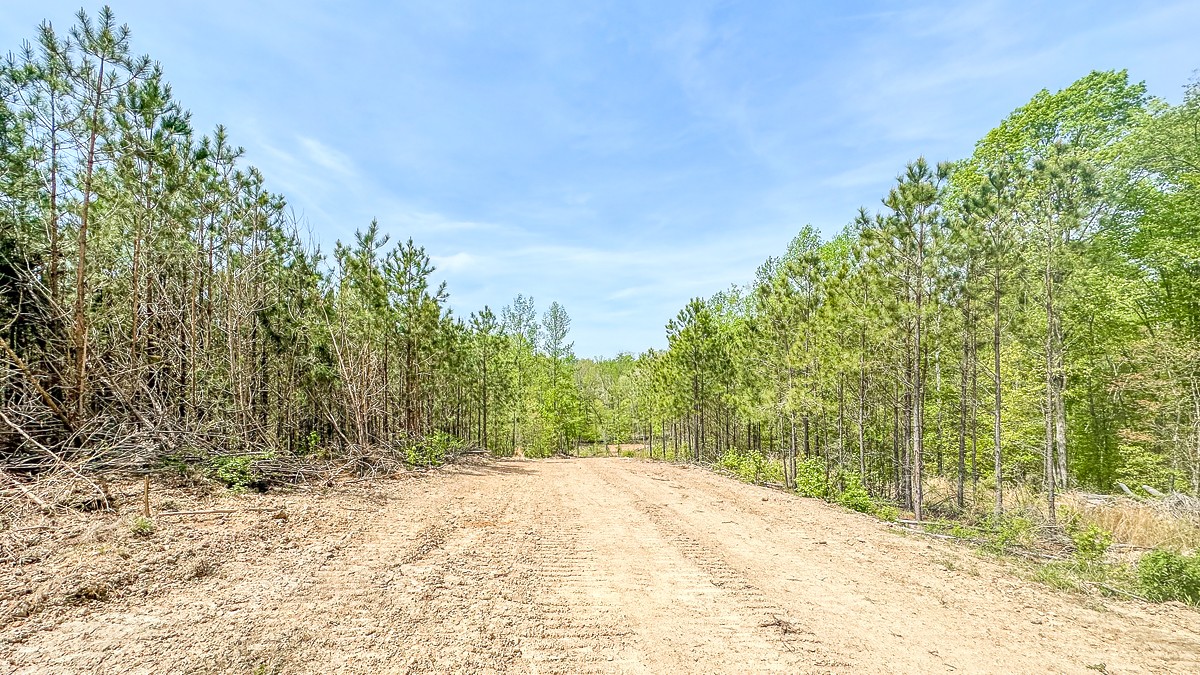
pixel 941 493
pixel 1135 523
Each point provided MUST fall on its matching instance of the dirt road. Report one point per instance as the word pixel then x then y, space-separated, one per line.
pixel 592 565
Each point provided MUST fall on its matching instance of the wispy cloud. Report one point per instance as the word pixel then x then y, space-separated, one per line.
pixel 456 263
pixel 328 158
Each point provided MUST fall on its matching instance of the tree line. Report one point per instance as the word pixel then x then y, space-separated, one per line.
pixel 1029 315
pixel 157 299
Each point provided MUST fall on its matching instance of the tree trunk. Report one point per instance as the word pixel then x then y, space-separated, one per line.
pixel 81 256
pixel 962 411
pixel 997 450
pixel 1049 400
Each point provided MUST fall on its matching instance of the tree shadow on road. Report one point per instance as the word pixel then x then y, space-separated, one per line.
pixel 491 467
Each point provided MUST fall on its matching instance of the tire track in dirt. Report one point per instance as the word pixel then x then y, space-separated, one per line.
pixel 900 604
pixel 597 566
pixel 689 609
pixel 581 627
pixel 502 595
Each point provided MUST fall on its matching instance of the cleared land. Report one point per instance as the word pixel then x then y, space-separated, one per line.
pixel 556 566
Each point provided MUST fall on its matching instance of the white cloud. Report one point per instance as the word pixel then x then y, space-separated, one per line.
pixel 328 158
pixel 458 262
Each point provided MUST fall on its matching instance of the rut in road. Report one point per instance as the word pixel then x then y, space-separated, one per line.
pixel 606 566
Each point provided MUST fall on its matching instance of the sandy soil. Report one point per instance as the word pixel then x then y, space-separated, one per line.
pixel 555 566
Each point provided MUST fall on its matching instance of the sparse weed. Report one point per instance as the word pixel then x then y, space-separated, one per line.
pixel 202 568
pixel 948 564
pixel 1058 575
pixel 142 526
pixel 90 590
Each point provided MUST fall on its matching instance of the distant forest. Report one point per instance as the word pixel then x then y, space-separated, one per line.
pixel 1027 316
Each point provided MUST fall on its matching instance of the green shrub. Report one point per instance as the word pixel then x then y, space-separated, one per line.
pixel 751 466
pixel 1006 531
pixel 1091 543
pixel 232 472
pixel 1165 575
pixel 886 511
pixel 433 449
pixel 855 496
pixel 311 444
pixel 810 478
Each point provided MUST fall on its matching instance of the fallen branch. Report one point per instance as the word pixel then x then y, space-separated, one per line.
pixel 936 536
pixel 214 512
pixel 32 528
pixel 209 512
pixel 46 397
pixel 24 490
pixel 60 460
pixel 1115 590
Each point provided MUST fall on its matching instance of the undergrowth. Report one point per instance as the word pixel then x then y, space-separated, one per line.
pixel 1085 563
pixel 234 472
pixel 1164 575
pixel 845 488
pixel 751 467
pixel 433 450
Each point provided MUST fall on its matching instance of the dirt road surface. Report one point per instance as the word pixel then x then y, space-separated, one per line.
pixel 582 566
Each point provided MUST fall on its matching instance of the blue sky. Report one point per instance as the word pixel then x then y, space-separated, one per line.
pixel 619 157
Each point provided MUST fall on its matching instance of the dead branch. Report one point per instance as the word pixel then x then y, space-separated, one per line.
pixel 215 512
pixel 25 491
pixel 61 462
pixel 46 397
